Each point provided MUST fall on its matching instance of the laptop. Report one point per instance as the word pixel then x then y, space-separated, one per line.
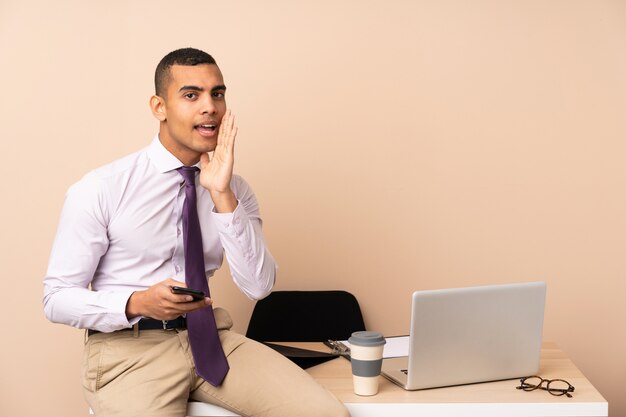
pixel 468 335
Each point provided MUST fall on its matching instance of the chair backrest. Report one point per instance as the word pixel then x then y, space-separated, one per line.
pixel 305 316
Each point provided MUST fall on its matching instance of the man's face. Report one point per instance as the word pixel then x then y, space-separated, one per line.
pixel 191 113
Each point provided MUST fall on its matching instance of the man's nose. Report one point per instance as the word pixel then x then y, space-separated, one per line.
pixel 208 106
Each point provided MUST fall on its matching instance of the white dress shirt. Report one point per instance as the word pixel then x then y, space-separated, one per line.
pixel 121 231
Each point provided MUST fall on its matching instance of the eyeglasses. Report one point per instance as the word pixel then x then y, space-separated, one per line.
pixel 556 387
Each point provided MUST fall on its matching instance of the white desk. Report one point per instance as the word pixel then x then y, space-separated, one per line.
pixel 493 399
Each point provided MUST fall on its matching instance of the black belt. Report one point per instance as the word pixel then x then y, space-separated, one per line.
pixel 152 324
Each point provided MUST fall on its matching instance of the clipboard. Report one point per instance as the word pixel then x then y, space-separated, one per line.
pixel 304 358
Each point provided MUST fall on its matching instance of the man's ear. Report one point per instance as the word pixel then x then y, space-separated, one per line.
pixel 159 110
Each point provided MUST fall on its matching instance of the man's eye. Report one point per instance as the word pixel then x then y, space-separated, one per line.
pixel 191 96
pixel 218 95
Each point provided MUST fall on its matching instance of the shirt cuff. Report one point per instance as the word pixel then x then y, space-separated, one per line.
pixel 119 302
pixel 232 224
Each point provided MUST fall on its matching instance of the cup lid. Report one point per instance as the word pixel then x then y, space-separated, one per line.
pixel 367 338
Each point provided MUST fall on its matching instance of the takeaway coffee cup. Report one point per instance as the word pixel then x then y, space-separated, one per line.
pixel 366 355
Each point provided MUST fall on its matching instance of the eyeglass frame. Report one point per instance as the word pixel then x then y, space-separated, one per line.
pixel 558 392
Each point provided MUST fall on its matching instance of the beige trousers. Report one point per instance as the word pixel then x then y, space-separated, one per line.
pixel 152 374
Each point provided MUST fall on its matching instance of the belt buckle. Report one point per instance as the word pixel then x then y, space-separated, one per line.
pixel 165 328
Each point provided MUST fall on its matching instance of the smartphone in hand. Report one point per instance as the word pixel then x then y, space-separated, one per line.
pixel 197 295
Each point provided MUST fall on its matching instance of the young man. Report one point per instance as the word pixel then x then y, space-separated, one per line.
pixel 122 245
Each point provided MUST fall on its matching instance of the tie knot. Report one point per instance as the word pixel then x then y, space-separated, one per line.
pixel 189 174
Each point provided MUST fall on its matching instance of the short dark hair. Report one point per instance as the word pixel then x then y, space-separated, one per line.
pixel 184 56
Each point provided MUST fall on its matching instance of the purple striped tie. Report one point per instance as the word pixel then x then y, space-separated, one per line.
pixel 211 363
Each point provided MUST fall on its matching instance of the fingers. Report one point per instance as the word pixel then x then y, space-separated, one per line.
pixel 228 121
pixel 168 305
pixel 185 307
pixel 177 294
pixel 165 295
pixel 228 131
pixel 165 290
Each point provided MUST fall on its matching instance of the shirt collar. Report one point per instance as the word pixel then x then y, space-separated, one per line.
pixel 163 159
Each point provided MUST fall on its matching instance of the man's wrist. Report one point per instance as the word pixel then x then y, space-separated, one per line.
pixel 224 202
pixel 133 305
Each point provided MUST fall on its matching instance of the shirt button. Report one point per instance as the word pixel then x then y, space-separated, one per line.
pixel 177 232
pixel 236 221
pixel 177 268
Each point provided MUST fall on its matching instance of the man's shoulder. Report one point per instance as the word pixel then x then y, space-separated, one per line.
pixel 121 166
pixel 111 173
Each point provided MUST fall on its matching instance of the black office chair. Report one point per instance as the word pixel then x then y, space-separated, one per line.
pixel 305 316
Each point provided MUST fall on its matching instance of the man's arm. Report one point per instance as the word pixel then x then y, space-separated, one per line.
pixel 237 216
pixel 80 242
pixel 251 264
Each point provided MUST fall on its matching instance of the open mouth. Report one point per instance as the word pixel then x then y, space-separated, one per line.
pixel 208 129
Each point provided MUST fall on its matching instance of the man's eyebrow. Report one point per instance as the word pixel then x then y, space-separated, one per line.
pixel 220 87
pixel 190 88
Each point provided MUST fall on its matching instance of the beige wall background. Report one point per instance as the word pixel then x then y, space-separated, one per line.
pixel 393 146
